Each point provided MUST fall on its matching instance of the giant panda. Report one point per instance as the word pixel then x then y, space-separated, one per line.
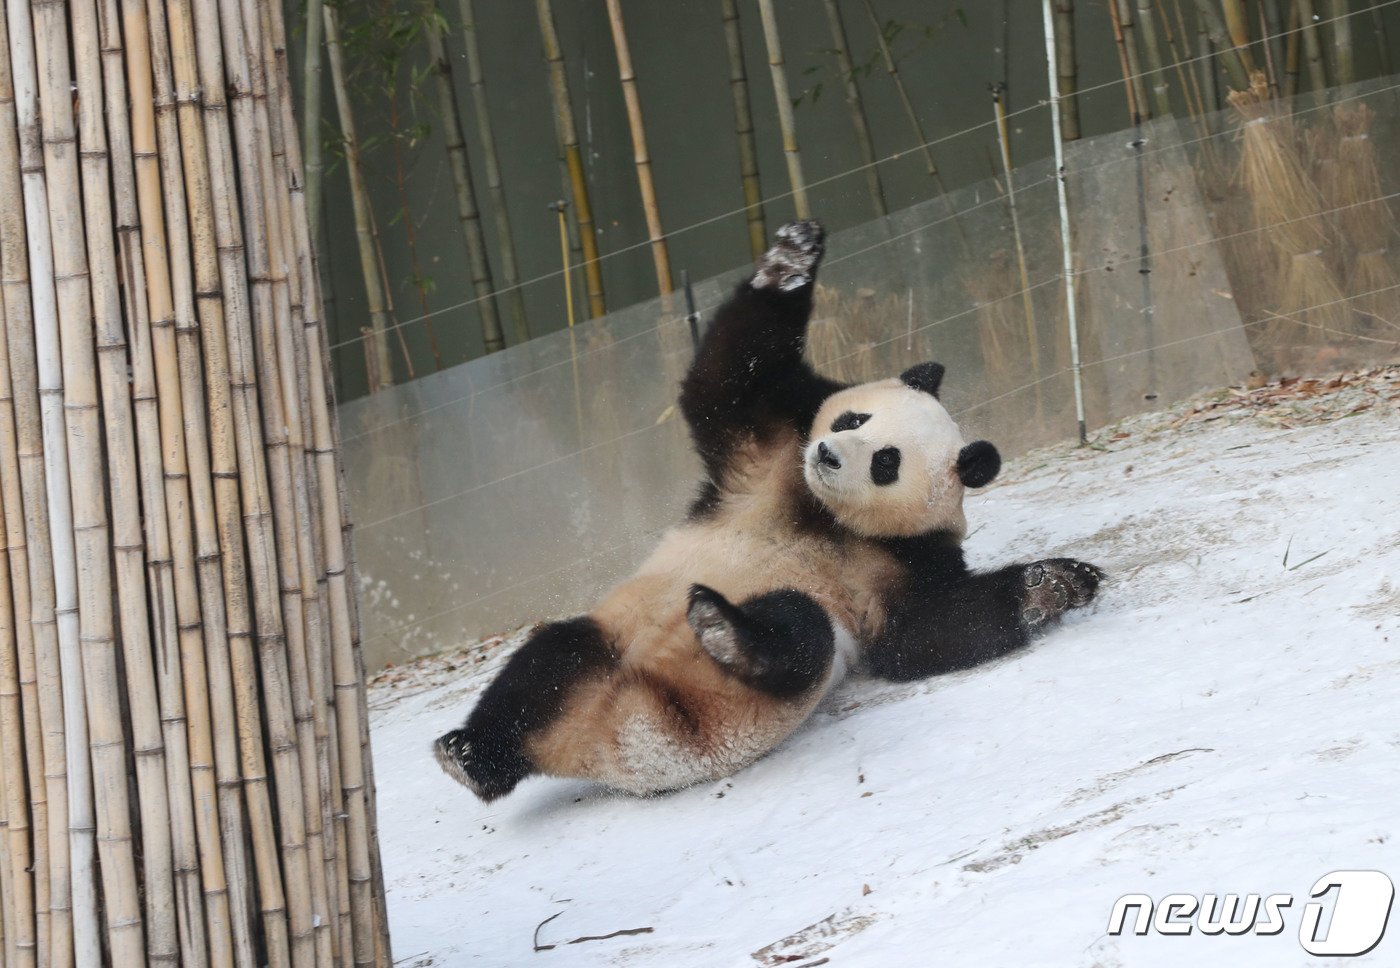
pixel 827 534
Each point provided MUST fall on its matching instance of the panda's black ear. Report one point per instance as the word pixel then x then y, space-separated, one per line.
pixel 978 464
pixel 925 377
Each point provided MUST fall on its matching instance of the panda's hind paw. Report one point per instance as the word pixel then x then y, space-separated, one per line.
pixel 489 777
pixel 792 261
pixel 1056 585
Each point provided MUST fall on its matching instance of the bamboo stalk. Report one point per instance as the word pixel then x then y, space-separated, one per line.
pixel 573 157
pixel 1122 12
pixel 1312 46
pixel 892 68
pixel 1067 67
pixel 1210 80
pixel 505 236
pixel 20 943
pixel 167 920
pixel 743 128
pixel 405 217
pixel 468 212
pixel 786 123
pixel 1004 142
pixel 1235 58
pixel 72 846
pixel 311 109
pixel 640 155
pixel 100 819
pixel 1271 24
pixel 856 107
pixel 376 298
pixel 26 514
pixel 1131 90
pixel 1148 26
pixel 1293 60
pixel 1237 27
pixel 28 819
pixel 1190 85
pixel 1382 41
pixel 1342 55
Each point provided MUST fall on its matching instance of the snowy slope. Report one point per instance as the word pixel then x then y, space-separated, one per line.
pixel 1225 720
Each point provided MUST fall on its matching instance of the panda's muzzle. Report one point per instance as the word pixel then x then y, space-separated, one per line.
pixel 827 456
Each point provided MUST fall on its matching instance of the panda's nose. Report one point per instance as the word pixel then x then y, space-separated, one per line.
pixel 827 456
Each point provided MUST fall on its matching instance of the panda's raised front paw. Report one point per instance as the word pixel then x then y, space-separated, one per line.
pixel 792 261
pixel 1054 586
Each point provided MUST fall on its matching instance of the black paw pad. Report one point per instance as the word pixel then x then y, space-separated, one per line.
pixel 792 261
pixel 1055 586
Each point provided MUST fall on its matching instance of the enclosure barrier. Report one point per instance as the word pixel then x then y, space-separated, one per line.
pixel 1243 245
pixel 184 762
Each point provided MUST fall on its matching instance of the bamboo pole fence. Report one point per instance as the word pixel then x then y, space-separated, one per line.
pixel 183 734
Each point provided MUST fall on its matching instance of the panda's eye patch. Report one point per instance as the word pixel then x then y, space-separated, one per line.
pixel 884 466
pixel 849 420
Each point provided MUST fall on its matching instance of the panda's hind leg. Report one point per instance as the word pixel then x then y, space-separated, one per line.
pixel 487 754
pixel 781 643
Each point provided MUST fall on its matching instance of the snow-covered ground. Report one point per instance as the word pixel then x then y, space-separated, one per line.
pixel 1225 720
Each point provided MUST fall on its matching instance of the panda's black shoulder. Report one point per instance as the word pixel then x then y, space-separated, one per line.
pixel 929 559
pixel 706 502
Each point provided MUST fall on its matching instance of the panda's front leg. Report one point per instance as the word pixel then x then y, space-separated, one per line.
pixel 1054 586
pixel 959 621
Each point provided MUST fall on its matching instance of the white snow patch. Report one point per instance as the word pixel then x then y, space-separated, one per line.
pixel 1223 721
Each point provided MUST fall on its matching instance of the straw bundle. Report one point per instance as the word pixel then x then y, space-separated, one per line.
pixel 847 331
pixel 1364 222
pixel 183 740
pixel 1287 207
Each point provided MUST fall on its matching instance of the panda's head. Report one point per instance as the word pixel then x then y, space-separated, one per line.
pixel 888 461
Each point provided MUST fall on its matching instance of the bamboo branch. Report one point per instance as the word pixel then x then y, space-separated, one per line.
pixel 640 155
pixel 1067 68
pixel 743 128
pixel 857 108
pixel 892 68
